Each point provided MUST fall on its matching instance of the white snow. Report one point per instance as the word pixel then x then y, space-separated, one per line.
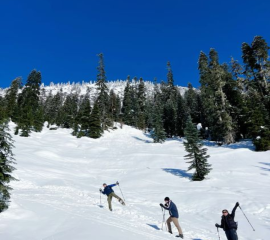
pixel 57 197
pixel 117 86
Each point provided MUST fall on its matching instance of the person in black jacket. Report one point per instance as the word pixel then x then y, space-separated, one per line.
pixel 171 207
pixel 228 224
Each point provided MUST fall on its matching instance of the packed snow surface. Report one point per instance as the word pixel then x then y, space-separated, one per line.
pixel 57 196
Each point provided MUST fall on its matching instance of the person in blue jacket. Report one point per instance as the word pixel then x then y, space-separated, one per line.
pixel 110 194
pixel 171 207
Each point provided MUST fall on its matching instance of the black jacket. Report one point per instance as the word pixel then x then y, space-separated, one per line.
pixel 228 222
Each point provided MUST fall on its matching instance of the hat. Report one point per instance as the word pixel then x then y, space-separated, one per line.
pixel 104 184
pixel 166 199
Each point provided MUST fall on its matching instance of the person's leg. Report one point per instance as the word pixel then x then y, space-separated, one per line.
pixel 119 199
pixel 228 234
pixel 110 201
pixel 169 220
pixel 234 234
pixel 176 223
pixel 114 195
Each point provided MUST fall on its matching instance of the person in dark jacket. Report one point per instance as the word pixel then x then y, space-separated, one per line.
pixel 110 194
pixel 171 207
pixel 228 224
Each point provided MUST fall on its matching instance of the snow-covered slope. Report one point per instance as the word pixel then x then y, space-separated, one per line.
pixel 57 197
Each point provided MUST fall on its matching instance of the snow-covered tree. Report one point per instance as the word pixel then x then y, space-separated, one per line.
pixel 6 165
pixel 30 116
pixel 214 101
pixel 95 130
pixel 158 132
pixel 103 97
pixel 197 154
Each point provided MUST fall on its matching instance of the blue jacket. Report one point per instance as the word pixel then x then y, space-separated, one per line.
pixel 172 209
pixel 108 189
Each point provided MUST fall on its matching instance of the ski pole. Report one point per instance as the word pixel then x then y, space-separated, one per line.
pixel 165 221
pixel 100 197
pixel 247 218
pixel 121 191
pixel 162 219
pixel 218 233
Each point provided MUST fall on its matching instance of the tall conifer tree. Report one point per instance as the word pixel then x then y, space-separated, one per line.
pixel 6 165
pixel 197 155
pixel 94 121
pixel 29 107
pixel 103 96
pixel 11 98
pixel 127 104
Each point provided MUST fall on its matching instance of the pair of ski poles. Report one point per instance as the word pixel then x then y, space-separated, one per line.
pixel 245 217
pixel 163 219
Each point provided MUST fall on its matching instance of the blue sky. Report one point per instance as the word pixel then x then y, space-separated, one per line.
pixel 62 38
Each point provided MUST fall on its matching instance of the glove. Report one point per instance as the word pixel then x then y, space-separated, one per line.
pixel 166 205
pixel 237 204
pixel 100 190
pixel 161 205
pixel 217 225
pixel 117 183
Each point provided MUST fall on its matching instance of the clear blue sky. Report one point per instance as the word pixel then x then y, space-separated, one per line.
pixel 137 38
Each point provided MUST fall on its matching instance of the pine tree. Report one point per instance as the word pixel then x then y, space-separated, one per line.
pixel 158 133
pixel 29 107
pixel 114 106
pixel 69 111
pixel 191 100
pixel 197 155
pixel 233 90
pixel 169 116
pixel 52 108
pixel 169 97
pixel 103 96
pixel 127 104
pixel 262 141
pixel 11 98
pixel 94 121
pixel 149 113
pixel 118 115
pixel 255 57
pixel 170 77
pixel 141 98
pixel 135 108
pixel 215 104
pixel 181 115
pixel 83 117
pixel 257 85
pixel 6 165
pixel 3 108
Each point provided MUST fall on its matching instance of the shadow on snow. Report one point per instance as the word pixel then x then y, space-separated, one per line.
pixel 178 172
pixel 242 144
pixel 143 140
pixel 153 226
pixel 264 168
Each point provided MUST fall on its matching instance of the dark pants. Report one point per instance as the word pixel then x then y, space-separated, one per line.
pixel 231 234
pixel 110 196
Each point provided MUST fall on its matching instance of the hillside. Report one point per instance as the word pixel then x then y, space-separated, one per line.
pixel 81 88
pixel 57 197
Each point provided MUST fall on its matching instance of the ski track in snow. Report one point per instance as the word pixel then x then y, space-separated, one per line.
pixel 57 194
